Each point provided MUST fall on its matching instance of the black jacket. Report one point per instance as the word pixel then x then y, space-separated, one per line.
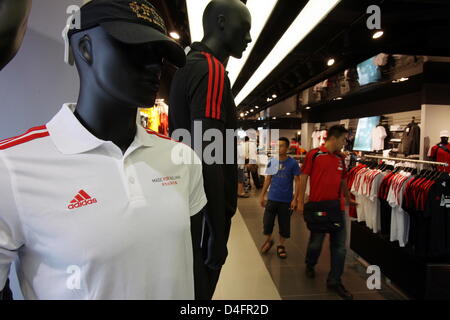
pixel 201 91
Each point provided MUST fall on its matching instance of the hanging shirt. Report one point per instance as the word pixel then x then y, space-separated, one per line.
pixel 315 139
pixel 399 218
pixel 378 136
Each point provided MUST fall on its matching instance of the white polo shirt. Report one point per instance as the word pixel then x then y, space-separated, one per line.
pixel 87 222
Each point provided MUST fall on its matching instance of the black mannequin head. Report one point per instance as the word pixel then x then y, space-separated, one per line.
pixel 13 24
pixel 226 25
pixel 119 51
pixel 125 73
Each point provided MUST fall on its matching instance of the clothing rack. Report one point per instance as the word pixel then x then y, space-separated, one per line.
pixel 408 160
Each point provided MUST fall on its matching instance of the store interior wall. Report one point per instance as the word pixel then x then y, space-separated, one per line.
pixel 289 133
pixel 435 118
pixel 37 82
pixel 280 109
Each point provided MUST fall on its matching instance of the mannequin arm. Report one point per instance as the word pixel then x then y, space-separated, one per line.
pixel 215 211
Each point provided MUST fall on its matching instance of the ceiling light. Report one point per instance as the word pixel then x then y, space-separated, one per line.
pixel 260 15
pixel 269 99
pixel 307 108
pixel 378 34
pixel 311 15
pixel 274 96
pixel 251 110
pixel 288 114
pixel 338 98
pixel 175 35
pixel 400 80
pixel 299 132
pixel 256 107
pixel 274 118
pixel 330 62
pixel 242 115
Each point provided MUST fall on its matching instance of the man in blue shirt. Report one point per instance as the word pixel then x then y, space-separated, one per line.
pixel 281 174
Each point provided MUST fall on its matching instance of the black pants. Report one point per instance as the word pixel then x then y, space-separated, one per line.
pixel 255 177
pixel 284 212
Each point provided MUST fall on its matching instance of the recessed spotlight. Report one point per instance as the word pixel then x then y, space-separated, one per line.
pixel 274 96
pixel 400 80
pixel 378 34
pixel 175 35
pixel 251 110
pixel 307 108
pixel 338 98
pixel 274 118
pixel 242 115
pixel 288 113
pixel 256 107
pixel 269 99
pixel 330 62
pixel 299 132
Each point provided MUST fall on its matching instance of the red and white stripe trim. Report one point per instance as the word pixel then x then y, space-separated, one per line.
pixel 31 134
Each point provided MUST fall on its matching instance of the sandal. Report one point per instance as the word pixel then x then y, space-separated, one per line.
pixel 281 252
pixel 266 246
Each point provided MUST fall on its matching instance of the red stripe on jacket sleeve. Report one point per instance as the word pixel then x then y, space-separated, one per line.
pixel 210 84
pixel 216 87
pixel 221 88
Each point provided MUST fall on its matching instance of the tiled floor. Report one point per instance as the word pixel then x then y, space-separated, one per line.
pixel 289 275
pixel 244 276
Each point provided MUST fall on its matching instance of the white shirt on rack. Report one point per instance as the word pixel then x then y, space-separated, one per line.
pixel 378 136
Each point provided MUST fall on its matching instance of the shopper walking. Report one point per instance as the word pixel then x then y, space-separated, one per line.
pixel 251 164
pixel 281 174
pixel 325 167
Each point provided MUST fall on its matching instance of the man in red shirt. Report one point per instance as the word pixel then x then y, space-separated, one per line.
pixel 441 151
pixel 325 167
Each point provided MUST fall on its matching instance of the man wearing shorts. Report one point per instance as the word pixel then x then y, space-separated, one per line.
pixel 281 174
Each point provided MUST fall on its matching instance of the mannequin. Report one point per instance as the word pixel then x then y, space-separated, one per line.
pixel 13 24
pixel 441 151
pixel 142 249
pixel 226 25
pixel 109 97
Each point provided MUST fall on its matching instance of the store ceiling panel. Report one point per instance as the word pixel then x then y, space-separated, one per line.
pixel 415 27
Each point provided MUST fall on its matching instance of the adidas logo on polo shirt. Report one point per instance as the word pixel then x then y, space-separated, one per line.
pixel 81 199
